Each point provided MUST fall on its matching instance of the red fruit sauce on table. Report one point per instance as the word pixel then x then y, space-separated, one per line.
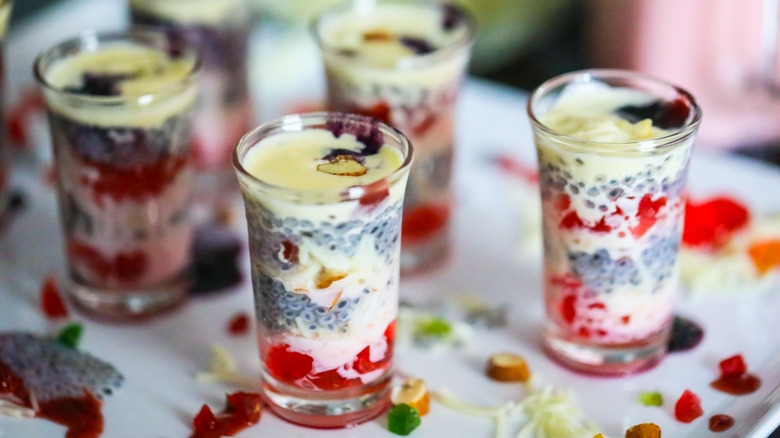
pixel 242 411
pixel 81 415
pixel 721 422
pixel 734 378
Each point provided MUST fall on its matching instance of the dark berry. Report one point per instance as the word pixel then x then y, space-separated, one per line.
pixel 418 45
pixel 100 84
pixel 665 115
pixel 215 253
pixel 51 302
pixel 451 16
pixel 334 153
pixel 686 335
pixel 365 129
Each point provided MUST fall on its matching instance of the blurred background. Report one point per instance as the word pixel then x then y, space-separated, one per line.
pixel 723 51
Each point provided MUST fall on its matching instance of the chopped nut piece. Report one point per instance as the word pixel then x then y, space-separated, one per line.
pixel 644 430
pixel 343 165
pixel 325 278
pixel 376 35
pixel 414 393
pixel 508 367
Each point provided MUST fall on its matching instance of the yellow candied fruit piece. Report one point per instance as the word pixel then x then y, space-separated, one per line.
pixel 644 430
pixel 508 367
pixel 414 393
pixel 343 165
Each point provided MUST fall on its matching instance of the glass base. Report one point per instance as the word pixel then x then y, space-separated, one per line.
pixel 423 257
pixel 606 359
pixel 327 409
pixel 116 305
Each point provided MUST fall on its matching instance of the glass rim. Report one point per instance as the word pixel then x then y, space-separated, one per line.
pixel 669 140
pixel 318 119
pixel 91 40
pixel 419 61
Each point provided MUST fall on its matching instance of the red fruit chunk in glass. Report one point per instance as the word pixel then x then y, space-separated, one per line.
pixel 647 214
pixel 239 324
pixel 51 302
pixel 571 221
pixel 734 365
pixel 712 223
pixel 688 407
pixel 288 366
pixel 331 380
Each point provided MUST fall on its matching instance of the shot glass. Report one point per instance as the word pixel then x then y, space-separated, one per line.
pixel 220 31
pixel 5 159
pixel 120 110
pixel 613 149
pixel 403 62
pixel 324 195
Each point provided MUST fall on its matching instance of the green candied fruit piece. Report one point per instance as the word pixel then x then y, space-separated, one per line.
pixel 435 327
pixel 70 335
pixel 651 398
pixel 402 419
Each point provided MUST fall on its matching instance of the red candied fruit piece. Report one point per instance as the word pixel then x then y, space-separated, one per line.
pixel 688 407
pixel 647 213
pixel 562 202
pixel 51 301
pixel 289 252
pixel 570 221
pixel 288 366
pixel 239 324
pixel 422 221
pixel 380 111
pixel 375 194
pixel 126 267
pixel 331 380
pixel 363 364
pixel 130 266
pixel 732 366
pixel 711 223
pixel 32 101
pixel 205 421
pixel 568 308
pixel 245 406
pixel 674 114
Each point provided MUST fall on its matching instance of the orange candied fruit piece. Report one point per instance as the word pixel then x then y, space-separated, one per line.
pixel 765 255
pixel 644 430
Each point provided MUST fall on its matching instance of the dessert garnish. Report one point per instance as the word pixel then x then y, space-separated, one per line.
pixel 222 369
pixel 365 129
pixel 721 422
pixel 644 430
pixel 507 367
pixel 343 165
pixel 239 324
pixel 242 410
pixel 653 398
pixel 414 393
pixel 51 301
pixel 216 251
pixel 418 45
pixel 100 84
pixel 686 335
pixel 402 419
pixel 688 407
pixel 734 377
pixel 712 223
pixel 70 335
pixel 665 115
pixel 65 385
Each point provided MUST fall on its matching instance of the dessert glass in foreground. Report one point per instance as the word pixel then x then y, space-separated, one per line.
pixel 220 32
pixel 403 62
pixel 5 159
pixel 120 114
pixel 323 195
pixel 613 149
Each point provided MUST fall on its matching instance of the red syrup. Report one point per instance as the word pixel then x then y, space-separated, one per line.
pixel 737 384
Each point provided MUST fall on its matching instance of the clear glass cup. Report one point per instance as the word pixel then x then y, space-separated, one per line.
pixel 5 159
pixel 403 62
pixel 325 270
pixel 220 30
pixel 613 149
pixel 120 109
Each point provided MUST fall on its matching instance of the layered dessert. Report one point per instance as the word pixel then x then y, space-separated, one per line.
pixel 120 122
pixel 612 171
pixel 402 63
pixel 323 208
pixel 220 31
